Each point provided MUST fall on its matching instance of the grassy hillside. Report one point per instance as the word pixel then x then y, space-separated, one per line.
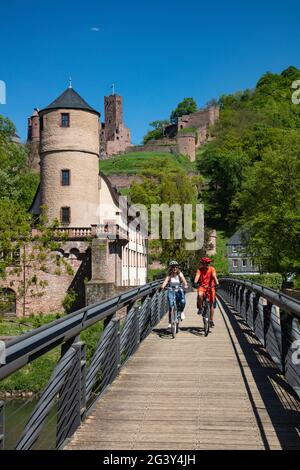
pixel 140 162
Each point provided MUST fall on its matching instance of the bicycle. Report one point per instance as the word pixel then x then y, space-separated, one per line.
pixel 174 313
pixel 205 312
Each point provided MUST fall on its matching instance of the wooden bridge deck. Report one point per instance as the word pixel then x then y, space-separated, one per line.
pixel 196 393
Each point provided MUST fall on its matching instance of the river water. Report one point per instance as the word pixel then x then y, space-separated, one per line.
pixel 17 414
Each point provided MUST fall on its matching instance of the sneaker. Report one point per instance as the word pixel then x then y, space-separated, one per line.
pixel 182 316
pixel 169 325
pixel 211 323
pixel 199 311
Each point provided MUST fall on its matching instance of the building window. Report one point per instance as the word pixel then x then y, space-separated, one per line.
pixel 244 263
pixel 234 249
pixel 235 263
pixel 65 215
pixel 65 177
pixel 65 120
pixel 41 123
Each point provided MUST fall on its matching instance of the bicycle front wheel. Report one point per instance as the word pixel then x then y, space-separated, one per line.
pixel 173 322
pixel 206 319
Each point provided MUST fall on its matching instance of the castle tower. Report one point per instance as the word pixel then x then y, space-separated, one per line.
pixel 69 151
pixel 33 141
pixel 113 115
pixel 34 127
pixel 115 136
pixel 186 145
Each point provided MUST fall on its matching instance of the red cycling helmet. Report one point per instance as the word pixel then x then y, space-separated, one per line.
pixel 205 261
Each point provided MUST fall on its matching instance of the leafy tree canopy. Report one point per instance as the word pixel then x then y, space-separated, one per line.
pixel 186 106
pixel 158 130
pixel 17 182
pixel 252 170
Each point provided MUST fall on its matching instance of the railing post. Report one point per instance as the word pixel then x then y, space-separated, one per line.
pixel 2 424
pixel 83 378
pixel 242 292
pixel 117 349
pixel 286 322
pixel 267 321
pixel 248 294
pixel 70 402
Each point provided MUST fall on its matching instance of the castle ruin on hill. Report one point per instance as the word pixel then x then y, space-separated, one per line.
pixel 114 136
pixel 184 138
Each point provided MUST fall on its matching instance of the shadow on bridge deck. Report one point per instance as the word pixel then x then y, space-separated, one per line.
pixel 277 411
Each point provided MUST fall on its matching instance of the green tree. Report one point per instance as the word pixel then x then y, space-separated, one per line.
pixel 157 132
pixel 17 182
pixel 168 185
pixel 270 204
pixel 187 106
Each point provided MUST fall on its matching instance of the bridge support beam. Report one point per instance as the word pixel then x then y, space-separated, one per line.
pixel 72 396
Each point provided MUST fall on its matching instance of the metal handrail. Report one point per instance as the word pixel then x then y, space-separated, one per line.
pixel 275 319
pixel 73 387
pixel 277 298
pixel 32 345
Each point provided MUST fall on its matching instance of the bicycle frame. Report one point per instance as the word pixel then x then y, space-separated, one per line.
pixel 174 311
pixel 206 306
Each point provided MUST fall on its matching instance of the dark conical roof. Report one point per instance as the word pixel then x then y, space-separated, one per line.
pixel 70 99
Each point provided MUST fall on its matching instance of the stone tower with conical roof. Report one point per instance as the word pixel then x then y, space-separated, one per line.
pixel 69 152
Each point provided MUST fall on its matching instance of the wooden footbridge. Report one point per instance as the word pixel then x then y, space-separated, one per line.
pixel 236 389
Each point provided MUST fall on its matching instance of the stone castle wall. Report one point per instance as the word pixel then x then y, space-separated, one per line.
pixel 161 146
pixel 203 117
pixel 124 181
pixel 49 299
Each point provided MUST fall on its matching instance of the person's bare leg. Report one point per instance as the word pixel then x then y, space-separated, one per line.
pixel 212 312
pixel 200 301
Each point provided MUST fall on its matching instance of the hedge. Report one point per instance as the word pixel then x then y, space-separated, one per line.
pixel 274 280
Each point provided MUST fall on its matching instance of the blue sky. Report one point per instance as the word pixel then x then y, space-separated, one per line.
pixel 156 52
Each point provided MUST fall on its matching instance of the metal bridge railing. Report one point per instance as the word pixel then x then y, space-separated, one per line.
pixel 74 387
pixel 275 319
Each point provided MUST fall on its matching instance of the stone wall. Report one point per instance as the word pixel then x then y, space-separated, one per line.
pixel 199 119
pixel 124 181
pixel 162 145
pixel 49 299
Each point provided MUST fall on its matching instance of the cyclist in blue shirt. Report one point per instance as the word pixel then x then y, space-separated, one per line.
pixel 175 279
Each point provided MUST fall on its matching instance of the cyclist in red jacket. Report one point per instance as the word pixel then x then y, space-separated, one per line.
pixel 206 276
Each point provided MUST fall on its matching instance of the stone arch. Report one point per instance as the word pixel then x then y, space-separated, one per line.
pixel 74 253
pixel 8 301
pixel 59 252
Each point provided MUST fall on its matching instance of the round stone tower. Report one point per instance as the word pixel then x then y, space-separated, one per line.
pixel 34 127
pixel 69 148
pixel 186 144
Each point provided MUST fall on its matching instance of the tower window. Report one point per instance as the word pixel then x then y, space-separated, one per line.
pixel 65 215
pixel 65 120
pixel 65 177
pixel 41 123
